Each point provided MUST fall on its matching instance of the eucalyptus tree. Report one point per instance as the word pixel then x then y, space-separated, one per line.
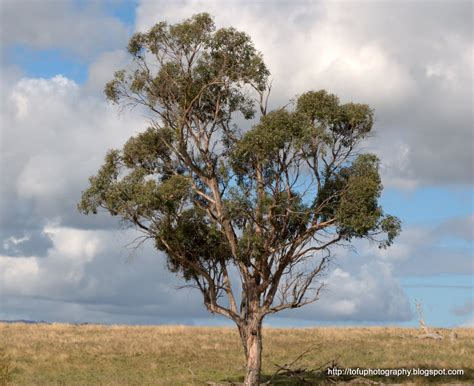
pixel 248 217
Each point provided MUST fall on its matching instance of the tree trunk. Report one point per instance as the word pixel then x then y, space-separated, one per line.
pixel 251 334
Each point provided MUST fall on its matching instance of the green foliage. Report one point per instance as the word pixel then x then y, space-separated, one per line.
pixel 348 122
pixel 290 216
pixel 319 106
pixel 133 196
pixel 173 191
pixel 392 226
pixel 358 211
pixel 264 142
pixel 150 151
pixel 194 240
pixel 237 206
pixel 209 195
pixel 198 68
pixel 97 193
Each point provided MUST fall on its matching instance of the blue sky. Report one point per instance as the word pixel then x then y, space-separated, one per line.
pixel 54 67
pixel 37 63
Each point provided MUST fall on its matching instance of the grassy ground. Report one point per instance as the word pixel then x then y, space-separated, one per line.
pixel 60 354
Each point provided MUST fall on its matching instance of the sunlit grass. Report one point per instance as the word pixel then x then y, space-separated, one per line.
pixel 177 355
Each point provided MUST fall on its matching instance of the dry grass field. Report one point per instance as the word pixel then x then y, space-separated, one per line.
pixel 61 354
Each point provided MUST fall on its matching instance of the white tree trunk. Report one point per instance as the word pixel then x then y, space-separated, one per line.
pixel 252 339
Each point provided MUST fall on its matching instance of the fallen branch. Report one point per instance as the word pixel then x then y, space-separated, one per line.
pixel 430 335
pixel 287 369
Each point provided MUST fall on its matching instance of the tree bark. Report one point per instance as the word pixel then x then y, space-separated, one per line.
pixel 251 335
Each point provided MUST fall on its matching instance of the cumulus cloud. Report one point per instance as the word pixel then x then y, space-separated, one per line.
pixel 367 293
pixel 102 69
pixel 98 278
pixel 95 272
pixel 465 309
pixel 82 29
pixel 425 249
pixel 58 265
pixel 53 138
pixel 458 227
pixel 26 243
pixel 468 323
pixel 412 62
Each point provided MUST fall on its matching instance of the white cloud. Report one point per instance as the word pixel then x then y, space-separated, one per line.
pixel 42 177
pixel 369 292
pixel 54 137
pixel 103 69
pixel 312 49
pixel 82 30
pixel 94 273
pixel 75 244
pixel 55 133
pixel 422 250
pixel 17 271
pixel 464 309
pixel 411 62
pixel 468 323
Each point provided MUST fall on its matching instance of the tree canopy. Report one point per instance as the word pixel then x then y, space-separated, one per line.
pixel 269 202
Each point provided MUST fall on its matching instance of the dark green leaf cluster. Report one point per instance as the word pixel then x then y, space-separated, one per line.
pixel 289 215
pixel 150 151
pixel 321 134
pixel 195 243
pixel 97 194
pixel 347 123
pixel 133 197
pixel 357 211
pixel 276 133
pixel 127 186
pixel 142 180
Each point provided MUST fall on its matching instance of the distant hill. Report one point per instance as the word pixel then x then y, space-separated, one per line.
pixel 25 321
